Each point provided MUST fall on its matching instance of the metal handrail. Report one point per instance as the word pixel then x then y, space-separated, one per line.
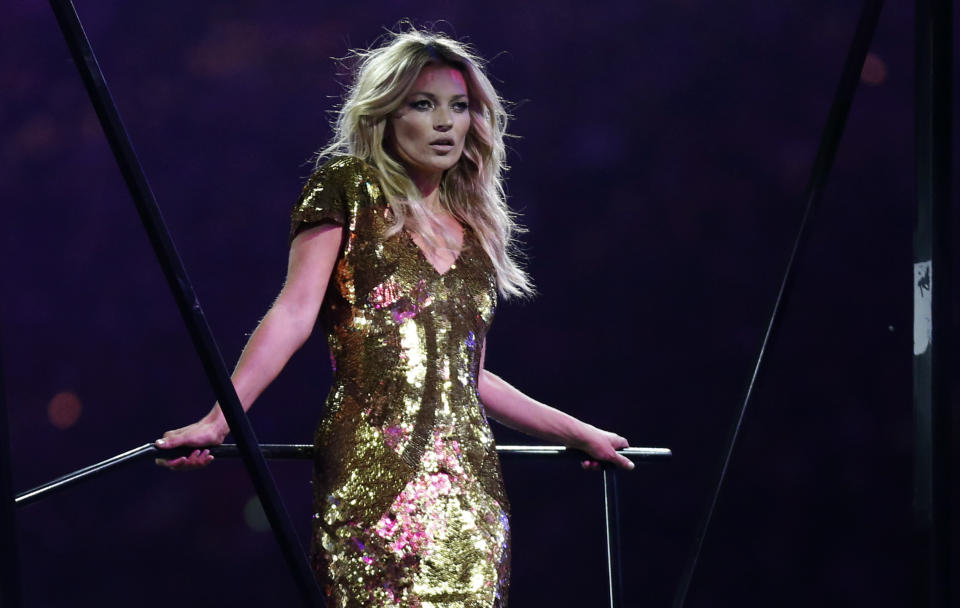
pixel 281 451
pixel 285 451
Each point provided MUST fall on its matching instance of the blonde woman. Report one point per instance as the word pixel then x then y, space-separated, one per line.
pixel 400 244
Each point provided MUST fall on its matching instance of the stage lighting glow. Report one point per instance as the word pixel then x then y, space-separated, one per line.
pixel 64 410
pixel 874 70
pixel 36 137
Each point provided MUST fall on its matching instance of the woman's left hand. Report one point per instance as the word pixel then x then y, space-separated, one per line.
pixel 602 446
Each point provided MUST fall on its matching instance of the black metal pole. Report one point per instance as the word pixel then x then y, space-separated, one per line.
pixel 611 512
pixel 931 288
pixel 823 162
pixel 9 564
pixel 186 299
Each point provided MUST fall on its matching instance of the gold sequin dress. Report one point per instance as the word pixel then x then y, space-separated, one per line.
pixel 409 506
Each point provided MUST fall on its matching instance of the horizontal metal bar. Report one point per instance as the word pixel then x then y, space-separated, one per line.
pixel 61 483
pixel 285 451
pixel 280 451
pixel 641 454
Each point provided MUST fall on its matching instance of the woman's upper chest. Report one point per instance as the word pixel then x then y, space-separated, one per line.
pixel 373 270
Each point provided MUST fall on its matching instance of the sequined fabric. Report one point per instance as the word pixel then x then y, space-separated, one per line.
pixel 409 507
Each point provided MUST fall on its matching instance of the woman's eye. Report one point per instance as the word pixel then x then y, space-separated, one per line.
pixel 421 104
pixel 461 106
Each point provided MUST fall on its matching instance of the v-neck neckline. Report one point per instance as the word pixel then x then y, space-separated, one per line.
pixel 465 230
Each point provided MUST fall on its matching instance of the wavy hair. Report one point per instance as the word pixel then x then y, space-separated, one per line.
pixel 472 190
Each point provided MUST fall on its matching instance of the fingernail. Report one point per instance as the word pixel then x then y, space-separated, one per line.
pixel 160 442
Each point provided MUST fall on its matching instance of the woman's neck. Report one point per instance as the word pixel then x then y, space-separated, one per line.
pixel 429 187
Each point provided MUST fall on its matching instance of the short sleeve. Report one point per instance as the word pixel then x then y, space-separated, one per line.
pixel 325 197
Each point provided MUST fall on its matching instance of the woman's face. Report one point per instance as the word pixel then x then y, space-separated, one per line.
pixel 428 130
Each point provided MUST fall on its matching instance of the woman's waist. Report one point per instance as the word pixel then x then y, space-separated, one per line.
pixel 408 352
pixel 447 407
pixel 409 427
pixel 406 381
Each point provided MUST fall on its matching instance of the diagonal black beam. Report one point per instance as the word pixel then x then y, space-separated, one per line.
pixel 9 564
pixel 186 299
pixel 932 306
pixel 823 162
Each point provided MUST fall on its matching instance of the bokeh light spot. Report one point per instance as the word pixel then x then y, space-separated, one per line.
pixel 35 138
pixel 254 516
pixel 874 71
pixel 64 409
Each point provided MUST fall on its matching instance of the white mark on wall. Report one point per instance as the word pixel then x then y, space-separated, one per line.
pixel 922 306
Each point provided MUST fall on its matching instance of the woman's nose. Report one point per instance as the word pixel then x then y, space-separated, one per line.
pixel 443 121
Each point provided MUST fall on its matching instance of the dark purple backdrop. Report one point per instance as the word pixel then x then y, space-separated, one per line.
pixel 662 152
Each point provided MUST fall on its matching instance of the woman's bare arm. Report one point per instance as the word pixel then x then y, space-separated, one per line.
pixel 280 333
pixel 513 408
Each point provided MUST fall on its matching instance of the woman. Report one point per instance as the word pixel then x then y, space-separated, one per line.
pixel 400 242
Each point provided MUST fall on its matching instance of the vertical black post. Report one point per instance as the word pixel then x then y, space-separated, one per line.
pixel 611 508
pixel 186 299
pixel 9 568
pixel 931 288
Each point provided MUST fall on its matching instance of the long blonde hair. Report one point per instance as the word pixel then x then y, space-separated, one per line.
pixel 472 190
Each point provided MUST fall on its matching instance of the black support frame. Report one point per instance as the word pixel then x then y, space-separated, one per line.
pixel 186 299
pixel 934 23
pixel 819 173
pixel 932 297
pixel 10 594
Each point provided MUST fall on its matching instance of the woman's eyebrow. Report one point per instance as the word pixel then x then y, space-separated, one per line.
pixel 432 96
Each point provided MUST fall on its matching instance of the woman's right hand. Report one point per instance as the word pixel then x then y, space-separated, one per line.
pixel 202 433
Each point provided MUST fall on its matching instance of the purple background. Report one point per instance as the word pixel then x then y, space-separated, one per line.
pixel 662 154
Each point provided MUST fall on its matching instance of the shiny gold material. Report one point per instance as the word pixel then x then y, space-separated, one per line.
pixel 409 504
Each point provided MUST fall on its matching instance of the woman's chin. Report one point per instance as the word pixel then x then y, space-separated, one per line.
pixel 437 164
